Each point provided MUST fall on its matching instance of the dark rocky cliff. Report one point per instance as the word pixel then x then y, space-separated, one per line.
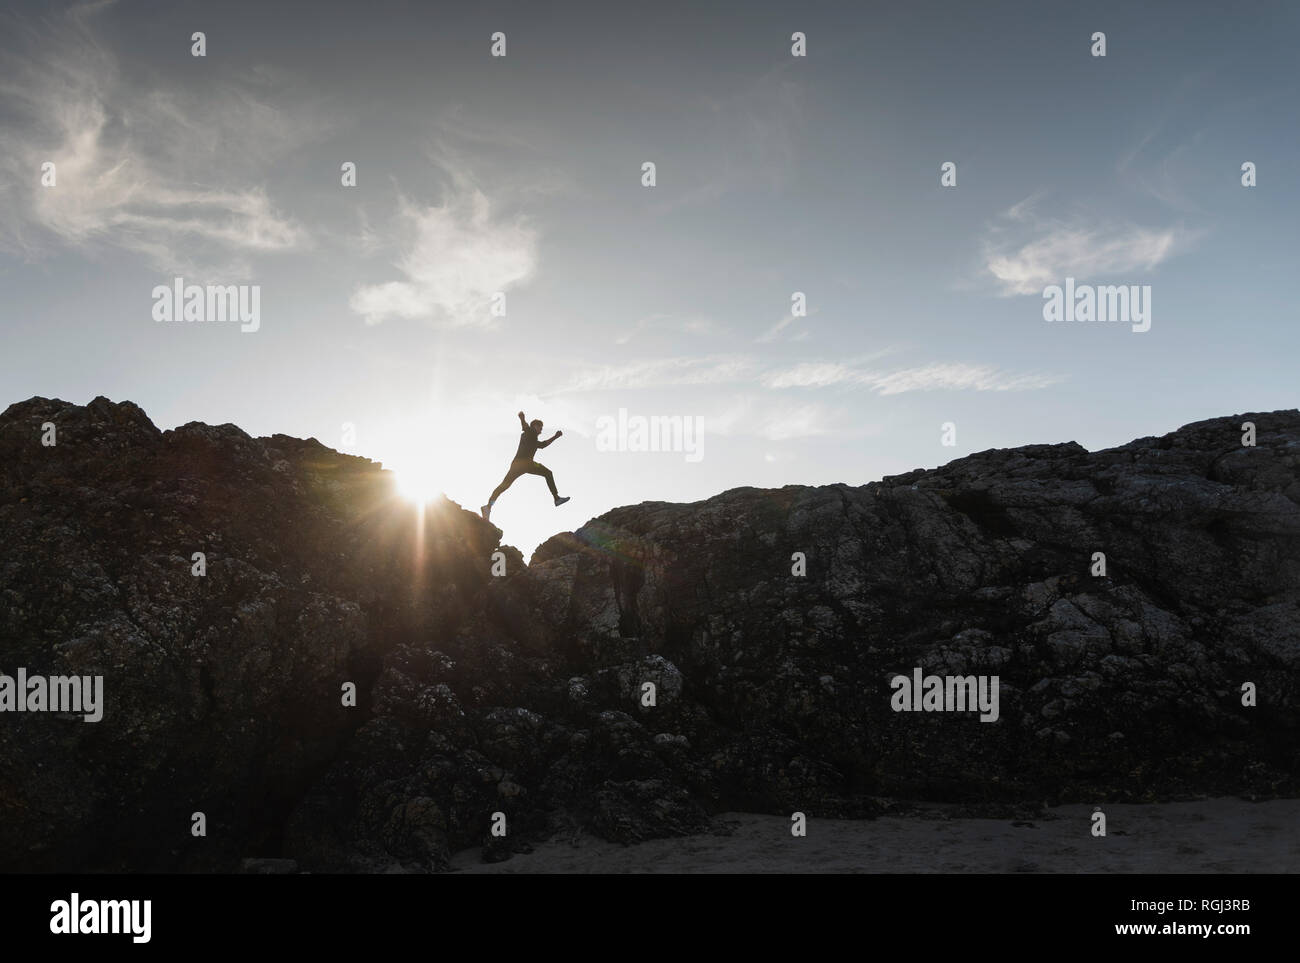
pixel 521 693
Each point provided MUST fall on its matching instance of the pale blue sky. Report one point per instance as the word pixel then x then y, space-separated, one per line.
pixel 775 175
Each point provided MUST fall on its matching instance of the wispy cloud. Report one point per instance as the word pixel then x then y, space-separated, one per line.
pixel 675 324
pixel 662 372
pixel 1196 110
pixel 802 421
pixel 812 374
pixel 135 168
pixel 365 240
pixel 958 377
pixel 455 254
pixel 775 332
pixel 854 373
pixel 459 255
pixel 1026 251
pixel 516 161
pixel 948 376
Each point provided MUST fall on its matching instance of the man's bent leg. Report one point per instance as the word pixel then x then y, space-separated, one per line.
pixel 538 469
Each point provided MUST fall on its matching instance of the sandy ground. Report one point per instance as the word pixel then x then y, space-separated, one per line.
pixel 1211 836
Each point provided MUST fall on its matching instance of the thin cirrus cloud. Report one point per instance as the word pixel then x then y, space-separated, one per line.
pixel 662 372
pixel 740 369
pixel 774 332
pixel 127 171
pixel 804 421
pixel 950 376
pixel 958 377
pixel 458 257
pixel 1026 251
pixel 672 324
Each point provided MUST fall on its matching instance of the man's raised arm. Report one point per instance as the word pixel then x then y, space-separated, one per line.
pixel 522 420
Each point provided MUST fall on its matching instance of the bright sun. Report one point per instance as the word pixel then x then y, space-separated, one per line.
pixel 422 479
pixel 418 483
pixel 431 459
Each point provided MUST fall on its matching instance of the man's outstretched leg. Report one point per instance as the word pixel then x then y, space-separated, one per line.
pixel 538 469
pixel 516 469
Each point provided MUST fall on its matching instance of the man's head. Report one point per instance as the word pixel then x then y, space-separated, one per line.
pixel 536 426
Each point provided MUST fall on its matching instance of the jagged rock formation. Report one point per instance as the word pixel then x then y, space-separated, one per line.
pixel 521 694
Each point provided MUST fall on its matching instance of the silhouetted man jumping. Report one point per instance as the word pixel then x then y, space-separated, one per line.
pixel 523 463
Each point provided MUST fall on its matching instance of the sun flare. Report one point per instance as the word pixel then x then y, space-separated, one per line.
pixel 432 457
pixel 418 483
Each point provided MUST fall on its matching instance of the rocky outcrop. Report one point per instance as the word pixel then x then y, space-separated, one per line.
pixel 520 698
